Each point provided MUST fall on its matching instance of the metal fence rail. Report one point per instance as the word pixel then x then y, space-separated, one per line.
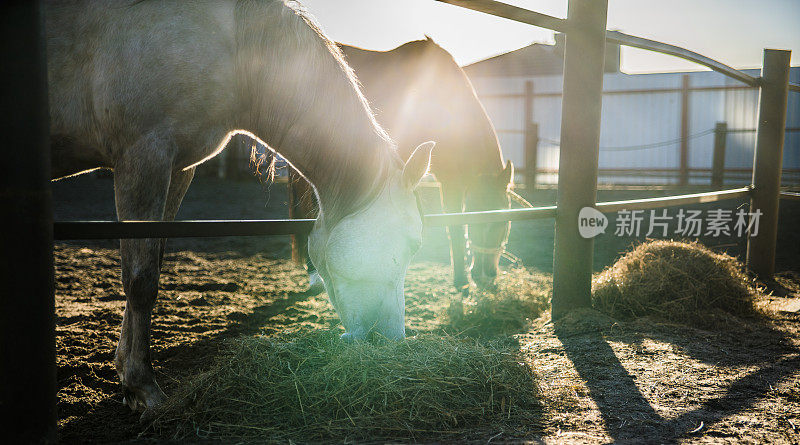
pixel 64 230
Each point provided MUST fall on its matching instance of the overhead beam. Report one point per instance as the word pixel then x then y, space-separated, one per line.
pixel 506 11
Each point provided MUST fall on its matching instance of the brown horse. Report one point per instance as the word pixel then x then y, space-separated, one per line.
pixel 418 90
pixel 153 88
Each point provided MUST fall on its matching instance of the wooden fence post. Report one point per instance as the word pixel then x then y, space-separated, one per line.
pixel 27 312
pixel 684 147
pixel 531 139
pixel 531 155
pixel 768 159
pixel 718 164
pixel 580 139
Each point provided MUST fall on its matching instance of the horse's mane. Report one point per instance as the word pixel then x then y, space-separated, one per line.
pixel 320 120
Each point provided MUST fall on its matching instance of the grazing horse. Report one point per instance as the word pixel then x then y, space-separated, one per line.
pixel 418 90
pixel 151 89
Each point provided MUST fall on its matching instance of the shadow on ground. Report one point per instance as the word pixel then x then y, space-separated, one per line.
pixel 764 357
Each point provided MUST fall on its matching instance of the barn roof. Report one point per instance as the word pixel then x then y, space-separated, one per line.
pixel 536 59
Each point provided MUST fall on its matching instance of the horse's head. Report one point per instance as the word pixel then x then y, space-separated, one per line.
pixel 364 257
pixel 487 241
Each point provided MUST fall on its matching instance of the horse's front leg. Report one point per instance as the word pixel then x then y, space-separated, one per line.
pixel 302 205
pixel 453 202
pixel 142 179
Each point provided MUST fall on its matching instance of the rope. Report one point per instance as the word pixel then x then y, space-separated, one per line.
pixel 519 199
pixel 640 147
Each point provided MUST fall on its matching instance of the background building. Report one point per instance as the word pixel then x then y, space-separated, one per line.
pixel 656 128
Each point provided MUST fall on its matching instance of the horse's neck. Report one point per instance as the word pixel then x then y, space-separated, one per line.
pixel 403 85
pixel 301 100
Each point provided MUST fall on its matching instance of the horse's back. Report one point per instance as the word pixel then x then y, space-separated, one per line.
pixel 126 68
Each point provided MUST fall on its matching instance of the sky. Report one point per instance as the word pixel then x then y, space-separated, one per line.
pixel 733 32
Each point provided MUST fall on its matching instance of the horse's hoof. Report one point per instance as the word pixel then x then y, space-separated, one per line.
pixel 315 284
pixel 143 399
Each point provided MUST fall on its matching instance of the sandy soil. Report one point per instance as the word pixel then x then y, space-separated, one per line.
pixel 601 380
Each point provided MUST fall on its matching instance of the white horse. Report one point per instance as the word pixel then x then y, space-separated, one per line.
pixel 151 89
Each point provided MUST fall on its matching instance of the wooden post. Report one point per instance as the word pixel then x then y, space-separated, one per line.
pixel 768 159
pixel 684 147
pixel 531 139
pixel 718 164
pixel 27 313
pixel 531 155
pixel 580 139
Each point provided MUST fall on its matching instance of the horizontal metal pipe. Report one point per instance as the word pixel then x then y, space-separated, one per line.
pixel 622 92
pixel 790 195
pixel 489 216
pixel 669 201
pixel 64 230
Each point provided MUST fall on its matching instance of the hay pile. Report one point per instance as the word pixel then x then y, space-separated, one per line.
pixel 318 388
pixel 520 297
pixel 674 281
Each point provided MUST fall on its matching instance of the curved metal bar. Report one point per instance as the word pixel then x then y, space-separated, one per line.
pixel 672 50
pixel 522 15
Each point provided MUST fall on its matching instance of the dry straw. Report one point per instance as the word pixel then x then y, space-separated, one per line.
pixel 674 281
pixel 318 388
pixel 520 296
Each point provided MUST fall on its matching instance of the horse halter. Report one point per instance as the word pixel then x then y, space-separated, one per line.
pixel 477 248
pixel 501 249
pixel 487 250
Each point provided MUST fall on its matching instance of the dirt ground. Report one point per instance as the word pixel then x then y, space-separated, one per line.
pixel 601 380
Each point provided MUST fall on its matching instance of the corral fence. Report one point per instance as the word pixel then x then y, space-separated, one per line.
pixel 657 129
pixel 28 398
pixel 578 156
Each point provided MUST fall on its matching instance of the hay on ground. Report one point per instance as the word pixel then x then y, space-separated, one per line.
pixel 318 388
pixel 674 281
pixel 520 297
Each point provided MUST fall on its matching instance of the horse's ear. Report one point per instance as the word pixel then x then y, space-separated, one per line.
pixel 507 175
pixel 417 165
